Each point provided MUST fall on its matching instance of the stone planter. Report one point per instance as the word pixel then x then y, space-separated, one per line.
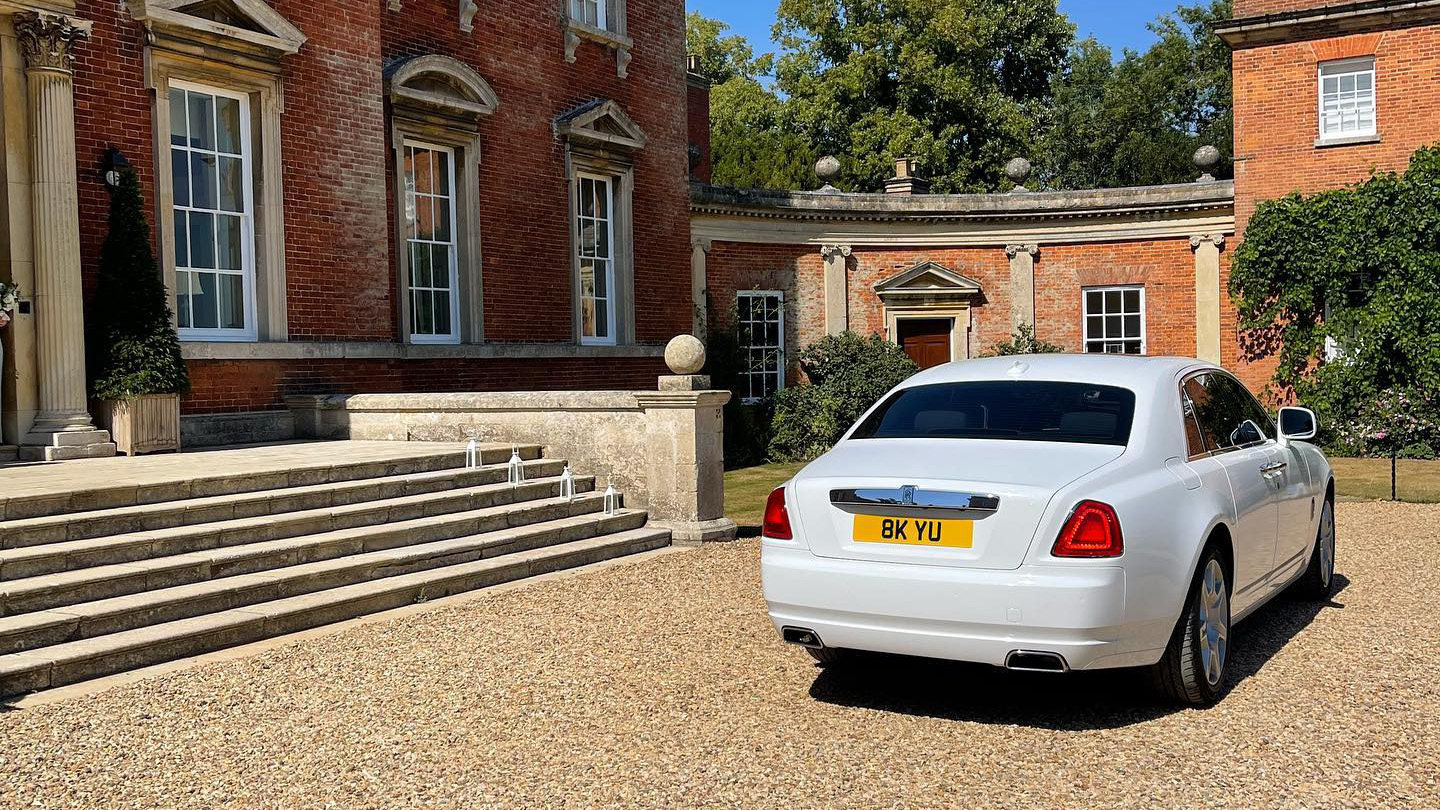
pixel 146 424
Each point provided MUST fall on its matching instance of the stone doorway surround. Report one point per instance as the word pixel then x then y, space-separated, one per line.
pixel 927 291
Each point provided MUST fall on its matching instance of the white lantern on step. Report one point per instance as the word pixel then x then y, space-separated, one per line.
pixel 567 484
pixel 517 469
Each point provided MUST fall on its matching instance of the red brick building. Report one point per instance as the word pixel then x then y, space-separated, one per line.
pixel 1324 95
pixel 380 196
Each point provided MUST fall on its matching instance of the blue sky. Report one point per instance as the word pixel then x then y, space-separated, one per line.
pixel 1117 24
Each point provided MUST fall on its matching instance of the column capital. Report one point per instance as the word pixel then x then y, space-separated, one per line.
pixel 701 243
pixel 1014 250
pixel 47 41
pixel 829 252
pixel 1216 239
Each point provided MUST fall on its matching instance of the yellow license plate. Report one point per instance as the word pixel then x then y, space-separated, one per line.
pixel 914 531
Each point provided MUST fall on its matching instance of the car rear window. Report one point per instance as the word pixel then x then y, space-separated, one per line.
pixel 1023 411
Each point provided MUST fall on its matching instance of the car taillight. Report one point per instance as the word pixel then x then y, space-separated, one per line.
pixel 1093 530
pixel 777 519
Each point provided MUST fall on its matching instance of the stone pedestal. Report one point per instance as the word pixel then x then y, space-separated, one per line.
pixel 62 428
pixel 685 456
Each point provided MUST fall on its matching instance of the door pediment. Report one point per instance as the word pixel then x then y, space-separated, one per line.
pixel 928 283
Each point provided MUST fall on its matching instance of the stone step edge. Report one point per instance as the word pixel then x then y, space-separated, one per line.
pixel 299 523
pixel 82 500
pixel 13 532
pixel 30 631
pixel 65 664
pixel 159 566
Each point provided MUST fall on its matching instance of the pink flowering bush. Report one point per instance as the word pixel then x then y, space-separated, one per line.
pixel 1400 422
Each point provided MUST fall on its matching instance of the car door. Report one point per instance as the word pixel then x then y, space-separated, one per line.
pixel 1248 457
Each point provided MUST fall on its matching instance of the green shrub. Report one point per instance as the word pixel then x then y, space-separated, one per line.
pixel 134 350
pixel 1023 341
pixel 847 374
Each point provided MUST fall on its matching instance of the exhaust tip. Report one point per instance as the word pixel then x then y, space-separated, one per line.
pixel 803 637
pixel 1035 661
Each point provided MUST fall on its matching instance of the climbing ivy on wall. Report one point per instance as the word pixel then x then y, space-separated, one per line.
pixel 1357 268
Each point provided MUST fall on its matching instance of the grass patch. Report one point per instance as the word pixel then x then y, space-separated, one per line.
pixel 1419 481
pixel 747 488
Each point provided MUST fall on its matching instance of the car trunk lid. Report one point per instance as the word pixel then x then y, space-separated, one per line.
pixel 1001 487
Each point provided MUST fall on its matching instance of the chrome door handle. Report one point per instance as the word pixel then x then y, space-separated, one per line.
pixel 1270 469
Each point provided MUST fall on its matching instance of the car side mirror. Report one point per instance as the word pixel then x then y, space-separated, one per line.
pixel 1297 424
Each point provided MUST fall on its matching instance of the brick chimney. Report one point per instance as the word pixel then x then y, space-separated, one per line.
pixel 697 113
pixel 905 181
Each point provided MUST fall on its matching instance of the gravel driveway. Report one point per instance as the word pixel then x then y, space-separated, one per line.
pixel 660 684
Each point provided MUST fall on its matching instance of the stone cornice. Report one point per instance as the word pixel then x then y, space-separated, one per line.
pixel 810 205
pixel 1326 21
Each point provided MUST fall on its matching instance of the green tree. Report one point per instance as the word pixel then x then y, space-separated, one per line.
pixel 1140 121
pixel 1355 268
pixel 1023 341
pixel 957 84
pixel 134 350
pixel 723 56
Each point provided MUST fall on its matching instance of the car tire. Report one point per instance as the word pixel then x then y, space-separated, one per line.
pixel 1318 581
pixel 1192 670
pixel 828 656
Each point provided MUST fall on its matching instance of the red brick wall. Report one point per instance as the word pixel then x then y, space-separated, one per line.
pixel 1252 8
pixel 1166 268
pixel 1276 122
pixel 340 276
pixel 228 386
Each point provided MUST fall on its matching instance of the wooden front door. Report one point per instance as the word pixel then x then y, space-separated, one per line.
pixel 926 340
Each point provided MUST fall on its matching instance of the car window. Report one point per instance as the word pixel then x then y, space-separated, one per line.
pixel 1022 411
pixel 1194 437
pixel 1226 413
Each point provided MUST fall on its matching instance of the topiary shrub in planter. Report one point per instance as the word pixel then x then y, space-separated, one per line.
pixel 136 371
pixel 847 374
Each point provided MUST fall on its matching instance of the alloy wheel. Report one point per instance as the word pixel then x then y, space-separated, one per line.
pixel 1327 544
pixel 1214 622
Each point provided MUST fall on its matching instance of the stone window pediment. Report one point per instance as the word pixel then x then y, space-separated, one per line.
pixel 246 27
pixel 928 281
pixel 602 124
pixel 440 88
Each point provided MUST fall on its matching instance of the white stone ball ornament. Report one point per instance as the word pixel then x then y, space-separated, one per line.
pixel 685 355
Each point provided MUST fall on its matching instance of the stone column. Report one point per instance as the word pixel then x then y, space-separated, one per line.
pixel 837 293
pixel 698 284
pixel 1207 249
pixel 62 428
pixel 1022 284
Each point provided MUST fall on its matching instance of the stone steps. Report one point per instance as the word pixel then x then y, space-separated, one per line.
pixel 71 555
pixel 76 661
pixel 120 494
pixel 102 579
pixel 28 631
pixel 60 528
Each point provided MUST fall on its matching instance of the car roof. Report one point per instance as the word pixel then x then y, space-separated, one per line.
pixel 1127 371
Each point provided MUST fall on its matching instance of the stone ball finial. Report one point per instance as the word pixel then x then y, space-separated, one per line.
pixel 827 168
pixel 685 355
pixel 1206 159
pixel 1018 170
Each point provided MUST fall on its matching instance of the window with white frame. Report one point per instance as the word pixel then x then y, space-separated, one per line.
pixel 431 244
pixel 1347 98
pixel 590 12
pixel 595 244
pixel 761 320
pixel 213 213
pixel 1115 320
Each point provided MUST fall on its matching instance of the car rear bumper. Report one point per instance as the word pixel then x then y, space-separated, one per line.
pixel 963 614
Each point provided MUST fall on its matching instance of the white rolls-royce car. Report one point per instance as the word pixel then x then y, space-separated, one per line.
pixel 1053 513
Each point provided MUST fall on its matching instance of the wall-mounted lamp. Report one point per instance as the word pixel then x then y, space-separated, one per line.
pixel 115 163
